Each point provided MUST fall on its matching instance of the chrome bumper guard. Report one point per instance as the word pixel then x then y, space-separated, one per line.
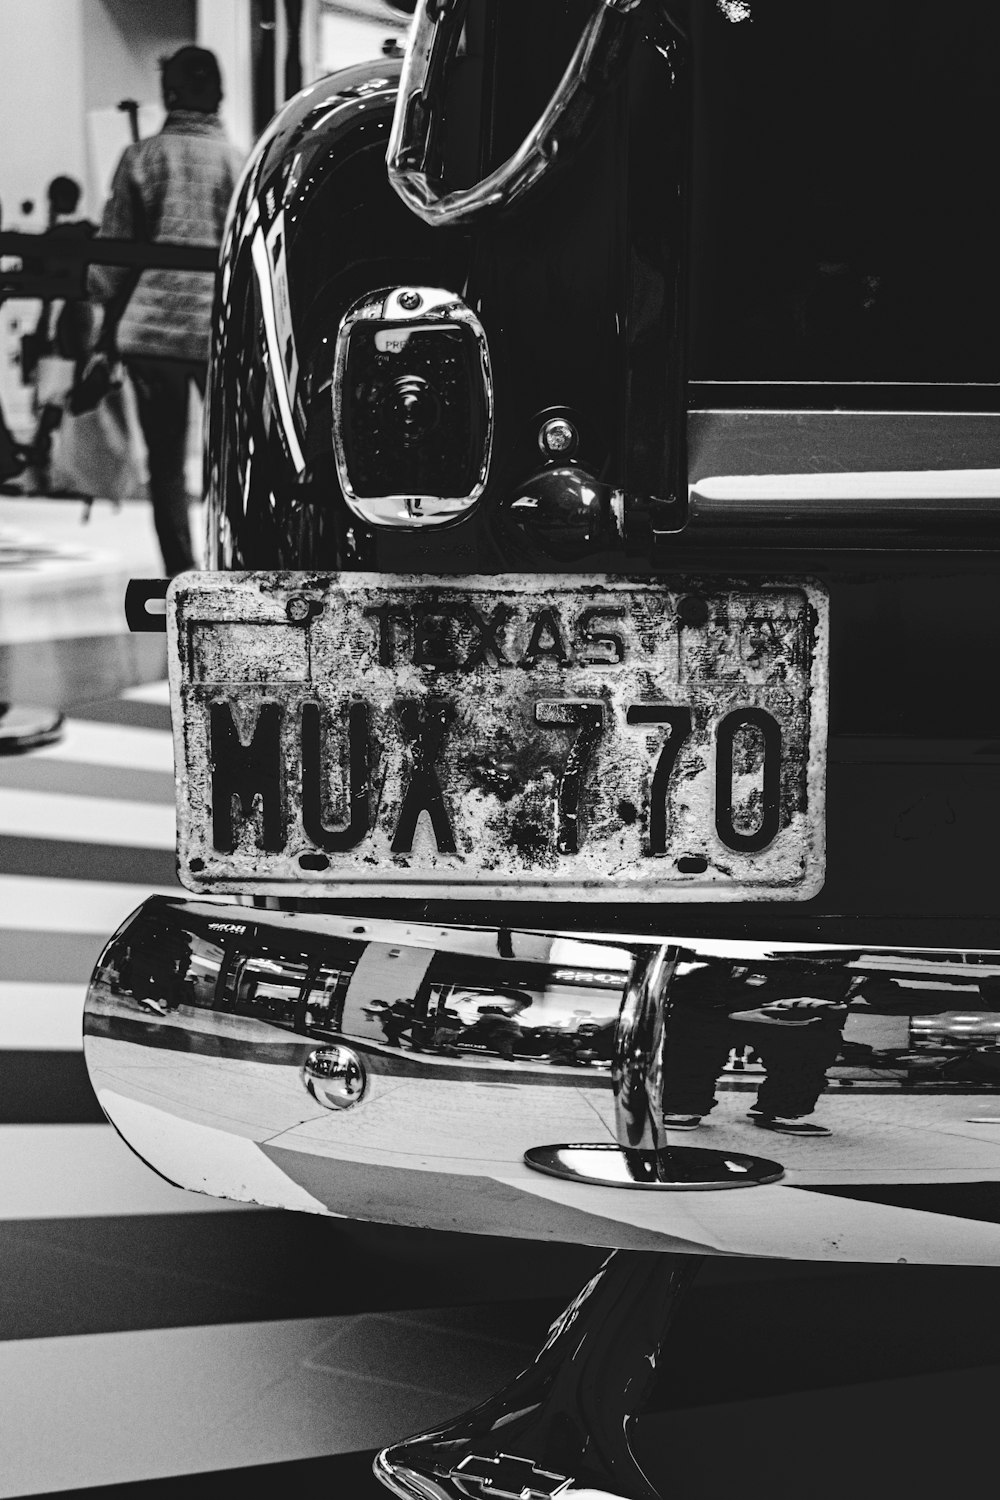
pixel 489 1080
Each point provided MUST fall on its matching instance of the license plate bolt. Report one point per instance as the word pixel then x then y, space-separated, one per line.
pixel 300 609
pixel 693 610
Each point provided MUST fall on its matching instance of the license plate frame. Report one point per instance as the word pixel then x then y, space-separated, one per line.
pixel 571 690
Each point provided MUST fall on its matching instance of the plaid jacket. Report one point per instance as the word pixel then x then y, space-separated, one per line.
pixel 173 186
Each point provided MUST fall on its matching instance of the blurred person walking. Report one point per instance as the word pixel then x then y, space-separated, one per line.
pixel 174 186
pixel 12 455
pixel 56 350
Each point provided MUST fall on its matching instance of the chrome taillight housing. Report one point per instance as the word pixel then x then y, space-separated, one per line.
pixel 412 407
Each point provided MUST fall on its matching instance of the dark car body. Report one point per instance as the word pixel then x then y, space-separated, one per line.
pixel 759 288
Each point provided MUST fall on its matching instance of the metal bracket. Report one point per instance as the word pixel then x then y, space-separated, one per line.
pixel 642 1157
pixel 146 605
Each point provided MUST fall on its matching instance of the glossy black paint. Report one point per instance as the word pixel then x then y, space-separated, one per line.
pixel 321 164
pixel 584 299
pixel 841 227
pixel 579 294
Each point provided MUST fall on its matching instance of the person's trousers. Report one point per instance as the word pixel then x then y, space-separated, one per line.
pixel 698 1042
pixel 162 387
pixel 10 463
pixel 796 1059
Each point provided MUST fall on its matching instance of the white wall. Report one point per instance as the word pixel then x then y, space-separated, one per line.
pixel 224 27
pixel 345 40
pixel 41 130
pixel 41 102
pixel 62 60
pixel 123 44
pixel 64 65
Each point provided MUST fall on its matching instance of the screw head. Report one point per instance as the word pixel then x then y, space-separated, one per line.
pixel 557 435
pixel 693 610
pixel 409 301
pixel 300 609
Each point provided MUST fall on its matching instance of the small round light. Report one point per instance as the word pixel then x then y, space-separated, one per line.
pixel 409 301
pixel 557 436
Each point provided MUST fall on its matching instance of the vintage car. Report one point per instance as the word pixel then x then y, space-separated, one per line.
pixel 585 727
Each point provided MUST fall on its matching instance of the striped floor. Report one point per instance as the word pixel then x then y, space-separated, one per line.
pixel 159 1343
pixel 253 1338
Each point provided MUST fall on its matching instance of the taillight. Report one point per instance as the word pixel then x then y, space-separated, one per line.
pixel 412 407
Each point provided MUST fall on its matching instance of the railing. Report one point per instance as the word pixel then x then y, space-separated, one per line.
pixel 53 266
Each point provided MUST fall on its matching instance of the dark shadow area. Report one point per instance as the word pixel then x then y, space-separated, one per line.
pixel 108 1275
pixel 777 1364
pixel 747 1330
pixel 840 223
pixel 46 1088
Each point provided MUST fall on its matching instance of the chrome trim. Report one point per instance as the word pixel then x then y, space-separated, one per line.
pixel 558 438
pixel 811 497
pixel 601 52
pixel 896 470
pixel 284 394
pixel 641 1157
pixel 409 511
pixel 637 1072
pixel 335 1077
pixel 481 1044
pixel 571 1409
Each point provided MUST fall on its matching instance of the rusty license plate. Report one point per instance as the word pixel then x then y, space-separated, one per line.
pixel 591 738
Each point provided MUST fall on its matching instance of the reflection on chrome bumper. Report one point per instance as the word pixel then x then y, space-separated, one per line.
pixel 415 1074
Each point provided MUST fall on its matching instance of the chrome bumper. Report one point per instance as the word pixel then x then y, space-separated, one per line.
pixel 495 1081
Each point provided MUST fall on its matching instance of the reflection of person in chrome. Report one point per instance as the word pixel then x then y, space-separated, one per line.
pixel 320 1002
pixel 497 1028
pixel 794 1020
pixel 153 969
pixel 395 1020
pixel 590 1042
pixel 446 1032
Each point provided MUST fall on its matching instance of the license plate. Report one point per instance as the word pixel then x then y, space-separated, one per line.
pixel 591 738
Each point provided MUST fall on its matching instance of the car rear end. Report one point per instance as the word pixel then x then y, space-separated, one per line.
pixel 601 589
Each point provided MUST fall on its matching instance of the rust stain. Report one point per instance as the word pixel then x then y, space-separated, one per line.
pixel 735 10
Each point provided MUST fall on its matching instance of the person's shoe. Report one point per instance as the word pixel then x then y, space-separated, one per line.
pixel 682 1122
pixel 787 1124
